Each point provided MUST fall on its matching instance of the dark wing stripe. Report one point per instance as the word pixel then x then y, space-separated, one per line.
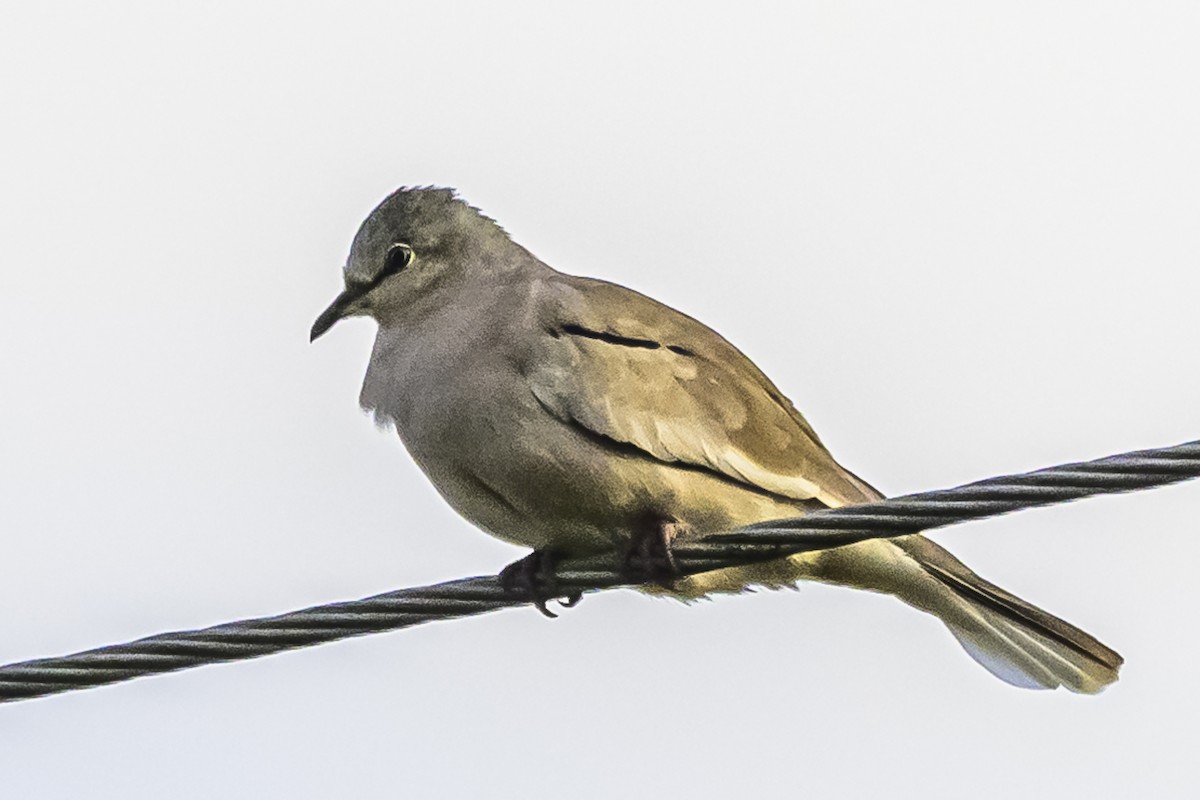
pixel 633 451
pixel 614 338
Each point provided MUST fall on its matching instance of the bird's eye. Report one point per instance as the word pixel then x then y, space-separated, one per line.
pixel 398 257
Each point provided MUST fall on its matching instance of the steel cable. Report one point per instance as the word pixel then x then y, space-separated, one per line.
pixel 234 641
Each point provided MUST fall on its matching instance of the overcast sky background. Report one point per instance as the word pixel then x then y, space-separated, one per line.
pixel 961 236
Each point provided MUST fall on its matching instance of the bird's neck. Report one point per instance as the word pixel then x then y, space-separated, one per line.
pixel 444 334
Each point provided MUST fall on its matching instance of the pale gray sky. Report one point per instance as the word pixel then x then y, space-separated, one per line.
pixel 962 237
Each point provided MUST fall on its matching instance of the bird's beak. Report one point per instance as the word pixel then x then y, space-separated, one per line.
pixel 340 308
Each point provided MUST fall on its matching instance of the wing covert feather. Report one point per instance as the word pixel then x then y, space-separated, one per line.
pixel 638 372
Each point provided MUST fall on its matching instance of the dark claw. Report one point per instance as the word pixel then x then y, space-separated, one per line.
pixel 533 577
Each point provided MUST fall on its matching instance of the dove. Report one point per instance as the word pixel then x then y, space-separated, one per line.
pixel 575 416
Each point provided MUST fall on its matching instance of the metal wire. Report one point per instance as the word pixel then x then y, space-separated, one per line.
pixel 234 641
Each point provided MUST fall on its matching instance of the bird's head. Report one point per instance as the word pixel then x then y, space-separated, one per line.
pixel 409 244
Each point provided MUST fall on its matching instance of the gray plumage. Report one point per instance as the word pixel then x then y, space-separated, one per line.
pixel 560 413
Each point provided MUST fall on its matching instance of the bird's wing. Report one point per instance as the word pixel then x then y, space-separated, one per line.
pixel 638 373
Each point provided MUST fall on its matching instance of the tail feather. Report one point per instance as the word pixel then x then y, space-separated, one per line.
pixel 1014 640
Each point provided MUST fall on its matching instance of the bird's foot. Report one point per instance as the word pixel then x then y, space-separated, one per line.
pixel 533 577
pixel 648 558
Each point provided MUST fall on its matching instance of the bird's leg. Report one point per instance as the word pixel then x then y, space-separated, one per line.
pixel 648 558
pixel 533 577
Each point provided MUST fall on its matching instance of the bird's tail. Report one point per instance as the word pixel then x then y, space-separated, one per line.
pixel 1014 640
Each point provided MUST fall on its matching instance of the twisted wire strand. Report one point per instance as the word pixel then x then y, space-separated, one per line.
pixel 234 641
